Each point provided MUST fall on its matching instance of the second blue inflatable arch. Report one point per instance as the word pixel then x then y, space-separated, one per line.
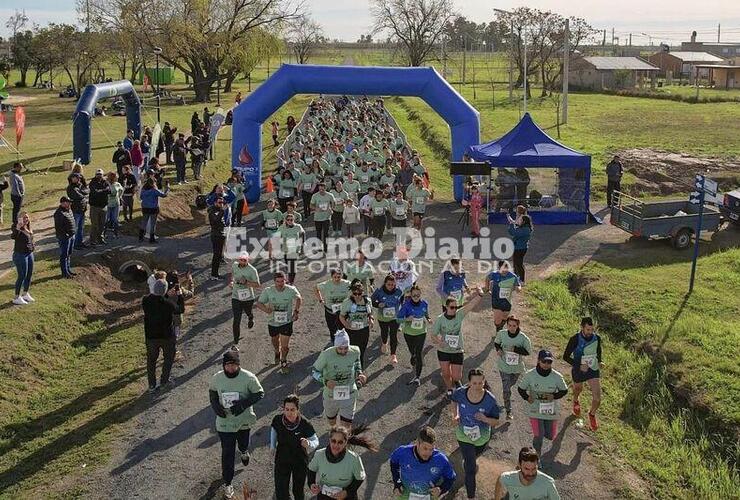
pixel 289 80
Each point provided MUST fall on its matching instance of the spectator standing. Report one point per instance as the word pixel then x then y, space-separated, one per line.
pixel 520 230
pixel 179 156
pixel 99 191
pixel 128 141
pixel 3 186
pixel 114 203
pixel 150 196
pixel 614 172
pixel 78 192
pixel 23 259
pixel 159 332
pixel 168 138
pixel 207 118
pixel 128 181
pixel 64 227
pixel 216 217
pixel 275 132
pixel 17 190
pixel 137 160
pixel 194 123
pixel 238 98
pixel 121 158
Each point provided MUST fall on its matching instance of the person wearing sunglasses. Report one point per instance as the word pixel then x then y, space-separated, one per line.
pixel 292 440
pixel 476 413
pixel 331 293
pixel 511 345
pixel 356 316
pixel 414 317
pixel 387 300
pixel 447 335
pixel 542 387
pixel 336 471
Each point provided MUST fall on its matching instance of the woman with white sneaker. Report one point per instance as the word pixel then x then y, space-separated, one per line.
pixel 23 259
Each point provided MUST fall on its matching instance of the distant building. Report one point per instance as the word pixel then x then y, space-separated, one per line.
pixel 723 76
pixel 599 73
pixel 682 64
pixel 724 50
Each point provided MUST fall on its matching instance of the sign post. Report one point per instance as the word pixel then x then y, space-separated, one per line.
pixel 703 185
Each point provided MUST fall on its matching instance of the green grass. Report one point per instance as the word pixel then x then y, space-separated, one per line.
pixel 671 379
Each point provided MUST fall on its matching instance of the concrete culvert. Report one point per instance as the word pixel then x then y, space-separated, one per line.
pixel 134 271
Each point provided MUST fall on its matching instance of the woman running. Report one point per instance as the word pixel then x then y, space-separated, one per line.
pixel 286 190
pixel 501 284
pixel 476 413
pixel 356 316
pixel 388 299
pixel 448 337
pixel 331 293
pixel 335 471
pixel 271 220
pixel 414 317
pixel 292 440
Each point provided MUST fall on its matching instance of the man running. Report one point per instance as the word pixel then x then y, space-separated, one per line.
pixel 526 483
pixel 542 387
pixel 511 344
pixel 232 392
pixel 420 470
pixel 452 282
pixel 339 370
pixel 244 281
pixel 331 293
pixel 283 303
pixel 583 354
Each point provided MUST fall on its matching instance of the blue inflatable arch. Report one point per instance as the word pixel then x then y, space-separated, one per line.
pixel 290 80
pixel 83 115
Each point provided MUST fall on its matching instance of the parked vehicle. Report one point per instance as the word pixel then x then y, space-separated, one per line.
pixel 673 219
pixel 730 207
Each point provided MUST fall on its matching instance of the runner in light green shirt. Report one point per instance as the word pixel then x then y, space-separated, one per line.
pixel 352 186
pixel 527 482
pixel 283 303
pixel 322 203
pixel 233 391
pixel 361 270
pixel 271 218
pixel 332 477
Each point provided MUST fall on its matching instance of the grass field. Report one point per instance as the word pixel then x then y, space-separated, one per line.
pixel 671 378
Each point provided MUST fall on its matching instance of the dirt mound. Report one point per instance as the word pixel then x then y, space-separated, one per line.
pixel 663 172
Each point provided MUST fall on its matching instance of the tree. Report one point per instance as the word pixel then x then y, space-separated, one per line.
pixel 188 31
pixel 23 53
pixel 416 25
pixel 304 36
pixel 77 55
pixel 367 38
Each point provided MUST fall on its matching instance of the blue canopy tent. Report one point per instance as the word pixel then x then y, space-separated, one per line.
pixel 565 196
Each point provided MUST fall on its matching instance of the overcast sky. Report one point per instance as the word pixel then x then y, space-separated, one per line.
pixel 665 20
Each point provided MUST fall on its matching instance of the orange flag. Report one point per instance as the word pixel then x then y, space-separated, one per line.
pixel 20 124
pixel 269 188
pixel 245 208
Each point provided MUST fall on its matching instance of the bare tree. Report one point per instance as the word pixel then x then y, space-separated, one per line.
pixel 417 25
pixel 304 36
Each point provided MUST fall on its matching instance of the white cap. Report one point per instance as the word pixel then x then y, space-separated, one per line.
pixel 341 339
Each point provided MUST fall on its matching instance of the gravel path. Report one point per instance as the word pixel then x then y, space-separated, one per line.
pixel 172 450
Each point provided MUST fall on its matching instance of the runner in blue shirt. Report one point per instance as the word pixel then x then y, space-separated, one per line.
pixel 419 470
pixel 414 318
pixel 501 284
pixel 477 412
pixel 387 299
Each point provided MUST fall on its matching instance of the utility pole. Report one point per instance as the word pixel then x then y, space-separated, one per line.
pixel 465 47
pixel 444 57
pixel 614 49
pixel 603 45
pixel 566 58
pixel 511 65
pixel 630 39
pixel 525 71
pixel 718 32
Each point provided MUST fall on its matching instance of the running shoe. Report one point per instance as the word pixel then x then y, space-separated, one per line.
pixel 19 301
pixel 228 491
pixel 414 381
pixel 277 357
pixel 384 348
pixel 449 393
pixel 27 297
pixel 509 416
pixel 250 323
pixel 394 359
pixel 235 348
pixel 245 458
pixel 152 388
pixel 592 421
pixel 284 366
pixel 577 409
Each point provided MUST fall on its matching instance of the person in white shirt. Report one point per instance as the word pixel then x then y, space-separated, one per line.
pixel 365 208
pixel 351 217
pixel 403 269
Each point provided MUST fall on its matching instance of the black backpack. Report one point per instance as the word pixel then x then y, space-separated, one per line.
pixel 200 202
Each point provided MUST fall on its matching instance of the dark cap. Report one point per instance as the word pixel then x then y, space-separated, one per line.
pixel 545 355
pixel 64 199
pixel 231 356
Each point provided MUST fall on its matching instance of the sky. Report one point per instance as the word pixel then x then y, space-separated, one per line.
pixel 664 20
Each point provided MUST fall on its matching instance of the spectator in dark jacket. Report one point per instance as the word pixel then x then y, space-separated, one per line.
pixel 217 218
pixel 99 191
pixel 128 181
pixel 180 157
pixel 64 227
pixel 613 178
pixel 168 135
pixel 17 190
pixel 78 193
pixel 159 331
pixel 121 158
pixel 3 186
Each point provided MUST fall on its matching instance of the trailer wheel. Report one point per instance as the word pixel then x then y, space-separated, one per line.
pixel 682 239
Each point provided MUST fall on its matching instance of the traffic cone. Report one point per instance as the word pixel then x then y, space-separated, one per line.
pixel 245 208
pixel 269 188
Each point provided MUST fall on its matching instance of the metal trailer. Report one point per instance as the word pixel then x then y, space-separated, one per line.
pixel 675 219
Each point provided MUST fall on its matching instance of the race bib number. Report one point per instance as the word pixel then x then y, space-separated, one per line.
pixel 511 358
pixel 291 245
pixel 590 361
pixel 547 408
pixel 378 210
pixel 280 317
pixel 364 178
pixel 357 325
pixel 323 207
pixel 452 341
pixel 417 323
pixel 229 398
pixel 419 496
pixel 244 294
pixel 341 392
pixel 330 491
pixel 271 224
pixel 308 187
pixel 389 312
pixel 504 293
pixel 400 211
pixel 419 200
pixel 285 193
pixel 472 433
pixel 335 308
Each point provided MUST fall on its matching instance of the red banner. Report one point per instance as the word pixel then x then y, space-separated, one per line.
pixel 20 124
pixel 2 123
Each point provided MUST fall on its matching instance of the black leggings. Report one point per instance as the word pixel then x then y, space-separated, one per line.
pixel 389 329
pixel 360 338
pixel 322 231
pixel 238 307
pixel 236 215
pixel 415 344
pixel 284 203
pixel 290 264
pixel 336 221
pixel 283 471
pixel 217 241
pixel 378 226
pixel 229 441
pixel 470 454
pixel 306 196
pixel 519 263
pixel 332 323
